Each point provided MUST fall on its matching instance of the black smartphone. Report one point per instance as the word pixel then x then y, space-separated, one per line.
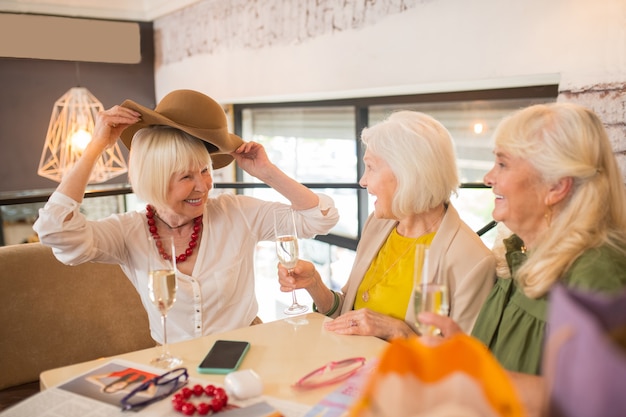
pixel 225 356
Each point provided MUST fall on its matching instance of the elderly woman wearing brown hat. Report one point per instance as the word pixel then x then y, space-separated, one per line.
pixel 174 149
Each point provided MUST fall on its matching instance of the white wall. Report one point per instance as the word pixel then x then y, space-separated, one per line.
pixel 274 50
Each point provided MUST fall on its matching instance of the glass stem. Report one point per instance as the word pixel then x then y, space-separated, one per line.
pixel 294 300
pixel 164 321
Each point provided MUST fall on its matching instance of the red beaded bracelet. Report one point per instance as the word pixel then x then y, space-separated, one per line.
pixel 218 400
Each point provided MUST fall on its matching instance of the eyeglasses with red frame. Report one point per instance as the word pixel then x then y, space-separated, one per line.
pixel 331 373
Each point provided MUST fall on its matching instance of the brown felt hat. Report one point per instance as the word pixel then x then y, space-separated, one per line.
pixel 193 113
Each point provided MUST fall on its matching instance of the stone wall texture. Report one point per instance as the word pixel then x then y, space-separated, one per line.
pixel 213 25
pixel 609 102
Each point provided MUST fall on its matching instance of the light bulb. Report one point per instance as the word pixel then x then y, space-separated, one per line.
pixel 80 139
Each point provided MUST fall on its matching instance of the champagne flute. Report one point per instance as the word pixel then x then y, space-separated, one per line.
pixel 287 250
pixel 428 296
pixel 162 290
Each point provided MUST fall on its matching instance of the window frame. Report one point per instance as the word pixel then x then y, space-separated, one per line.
pixel 361 116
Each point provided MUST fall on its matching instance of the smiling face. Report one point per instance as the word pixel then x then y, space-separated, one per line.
pixel 188 192
pixel 520 195
pixel 380 182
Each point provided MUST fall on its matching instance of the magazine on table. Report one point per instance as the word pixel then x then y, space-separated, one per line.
pixel 98 393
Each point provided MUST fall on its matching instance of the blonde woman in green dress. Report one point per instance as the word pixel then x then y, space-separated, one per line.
pixel 559 190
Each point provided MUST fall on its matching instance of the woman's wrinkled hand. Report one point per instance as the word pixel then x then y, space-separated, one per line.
pixel 303 275
pixel 366 322
pixel 111 123
pixel 252 158
pixel 445 324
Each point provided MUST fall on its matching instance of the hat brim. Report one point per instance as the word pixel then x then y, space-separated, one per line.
pixel 219 142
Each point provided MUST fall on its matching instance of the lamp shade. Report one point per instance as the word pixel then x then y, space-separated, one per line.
pixel 71 126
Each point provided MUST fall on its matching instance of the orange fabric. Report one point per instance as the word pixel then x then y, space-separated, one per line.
pixel 430 364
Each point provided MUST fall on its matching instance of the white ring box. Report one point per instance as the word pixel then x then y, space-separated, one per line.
pixel 243 384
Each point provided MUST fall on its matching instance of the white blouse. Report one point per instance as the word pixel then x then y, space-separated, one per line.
pixel 219 295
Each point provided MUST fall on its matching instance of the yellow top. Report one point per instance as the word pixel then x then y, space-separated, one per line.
pixel 387 284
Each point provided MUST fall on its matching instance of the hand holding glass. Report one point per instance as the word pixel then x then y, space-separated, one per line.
pixel 287 250
pixel 162 290
pixel 428 296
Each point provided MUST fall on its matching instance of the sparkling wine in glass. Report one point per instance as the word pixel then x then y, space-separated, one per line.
pixel 162 290
pixel 287 250
pixel 428 296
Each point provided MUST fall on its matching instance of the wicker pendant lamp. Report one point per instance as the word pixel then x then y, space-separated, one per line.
pixel 71 125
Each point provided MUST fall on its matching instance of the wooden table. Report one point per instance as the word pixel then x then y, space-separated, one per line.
pixel 281 352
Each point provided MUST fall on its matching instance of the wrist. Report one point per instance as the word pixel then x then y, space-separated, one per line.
pixel 269 174
pixel 333 308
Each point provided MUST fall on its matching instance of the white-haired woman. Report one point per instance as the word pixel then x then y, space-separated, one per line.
pixel 410 168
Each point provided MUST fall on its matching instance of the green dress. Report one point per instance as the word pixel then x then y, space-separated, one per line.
pixel 513 325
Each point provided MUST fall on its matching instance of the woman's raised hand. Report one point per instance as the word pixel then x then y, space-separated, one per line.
pixel 252 158
pixel 111 123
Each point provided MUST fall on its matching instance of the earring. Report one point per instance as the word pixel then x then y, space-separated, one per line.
pixel 548 216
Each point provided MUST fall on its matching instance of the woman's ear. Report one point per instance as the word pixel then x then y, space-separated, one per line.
pixel 559 191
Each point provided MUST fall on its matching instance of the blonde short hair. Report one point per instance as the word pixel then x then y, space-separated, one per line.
pixel 159 152
pixel 421 154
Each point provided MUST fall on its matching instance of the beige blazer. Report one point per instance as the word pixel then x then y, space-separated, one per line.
pixel 468 266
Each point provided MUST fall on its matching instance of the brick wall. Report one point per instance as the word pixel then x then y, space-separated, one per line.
pixel 608 100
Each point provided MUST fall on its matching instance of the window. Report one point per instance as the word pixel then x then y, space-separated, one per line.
pixel 317 144
pixel 312 145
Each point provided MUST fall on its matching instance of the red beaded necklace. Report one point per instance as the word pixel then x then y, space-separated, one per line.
pixel 218 400
pixel 197 226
